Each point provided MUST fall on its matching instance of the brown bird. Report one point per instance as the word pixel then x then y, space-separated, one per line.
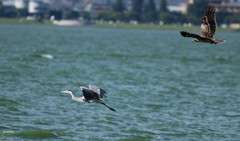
pixel 208 28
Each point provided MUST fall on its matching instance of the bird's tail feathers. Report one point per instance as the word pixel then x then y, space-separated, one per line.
pixel 219 41
pixel 108 107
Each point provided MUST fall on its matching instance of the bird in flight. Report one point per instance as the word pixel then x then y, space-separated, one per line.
pixel 92 94
pixel 208 28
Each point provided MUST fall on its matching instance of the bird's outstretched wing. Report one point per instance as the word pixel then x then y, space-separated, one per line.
pixel 99 91
pixel 208 24
pixel 89 95
pixel 187 34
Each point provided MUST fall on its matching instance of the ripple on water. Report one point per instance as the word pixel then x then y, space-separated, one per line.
pixel 78 84
pixel 25 66
pixel 7 102
pixel 232 114
pixel 21 59
pixel 4 127
pixel 136 138
pixel 220 59
pixel 7 133
pixel 38 134
pixel 162 90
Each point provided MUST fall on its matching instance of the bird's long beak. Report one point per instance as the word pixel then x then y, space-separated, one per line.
pixel 63 92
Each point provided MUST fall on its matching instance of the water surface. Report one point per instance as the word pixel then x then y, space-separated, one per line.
pixel 163 86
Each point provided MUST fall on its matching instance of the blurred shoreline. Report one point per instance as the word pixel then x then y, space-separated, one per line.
pixel 158 27
pixel 114 25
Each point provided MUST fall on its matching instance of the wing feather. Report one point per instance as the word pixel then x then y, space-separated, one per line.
pixel 98 90
pixel 208 24
pixel 187 34
pixel 89 95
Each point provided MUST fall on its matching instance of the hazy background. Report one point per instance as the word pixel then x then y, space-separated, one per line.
pixel 170 12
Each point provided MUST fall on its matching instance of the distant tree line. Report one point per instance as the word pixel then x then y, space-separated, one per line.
pixel 146 12
pixel 195 12
pixel 143 11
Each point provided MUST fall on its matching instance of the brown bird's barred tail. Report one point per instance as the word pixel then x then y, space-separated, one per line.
pixel 219 41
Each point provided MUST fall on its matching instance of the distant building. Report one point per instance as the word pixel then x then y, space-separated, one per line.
pixel 21 4
pixel 97 6
pixel 178 5
pixel 9 8
pixel 37 9
pixel 232 6
pixel 7 3
pixel 172 5
pixel 128 5
pixel 53 4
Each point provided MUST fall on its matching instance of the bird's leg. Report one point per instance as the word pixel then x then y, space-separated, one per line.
pixel 108 107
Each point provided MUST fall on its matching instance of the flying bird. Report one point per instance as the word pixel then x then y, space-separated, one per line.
pixel 208 28
pixel 92 94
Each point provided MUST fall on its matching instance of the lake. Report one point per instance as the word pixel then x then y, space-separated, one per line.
pixel 163 86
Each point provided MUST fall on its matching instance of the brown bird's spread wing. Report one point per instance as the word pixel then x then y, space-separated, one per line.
pixel 208 25
pixel 187 34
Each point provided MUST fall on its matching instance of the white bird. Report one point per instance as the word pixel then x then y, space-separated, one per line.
pixel 92 94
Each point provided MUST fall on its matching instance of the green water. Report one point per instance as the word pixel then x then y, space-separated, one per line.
pixel 163 86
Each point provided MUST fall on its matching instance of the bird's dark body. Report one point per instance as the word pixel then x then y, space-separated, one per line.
pixel 90 95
